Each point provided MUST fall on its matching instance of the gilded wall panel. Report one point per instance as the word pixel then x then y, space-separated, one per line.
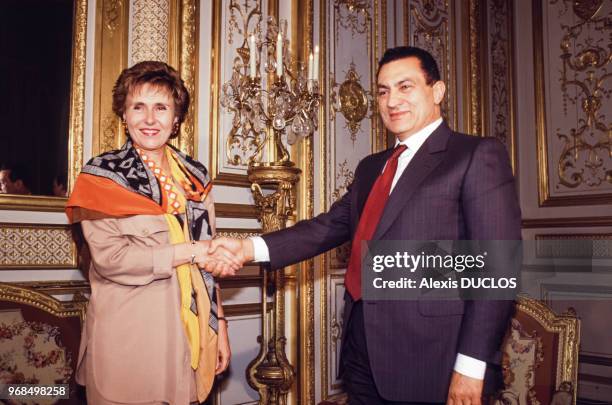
pixel 431 26
pixel 111 57
pixel 36 247
pixel 233 147
pixel 353 36
pixel 183 53
pixel 335 301
pixel 500 78
pixel 573 58
pixel 352 117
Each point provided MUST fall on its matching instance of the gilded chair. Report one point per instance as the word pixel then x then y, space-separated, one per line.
pixel 540 356
pixel 39 339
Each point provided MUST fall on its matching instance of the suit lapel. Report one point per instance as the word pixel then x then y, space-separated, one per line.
pixel 422 164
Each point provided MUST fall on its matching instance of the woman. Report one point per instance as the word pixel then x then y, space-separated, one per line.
pixel 155 331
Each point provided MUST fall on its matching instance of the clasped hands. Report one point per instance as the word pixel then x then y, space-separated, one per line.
pixel 224 256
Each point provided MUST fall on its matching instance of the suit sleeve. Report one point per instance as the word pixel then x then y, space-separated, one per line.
pixel 118 258
pixel 491 212
pixel 311 237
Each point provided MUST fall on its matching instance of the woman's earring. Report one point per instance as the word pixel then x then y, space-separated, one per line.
pixel 175 129
pixel 125 128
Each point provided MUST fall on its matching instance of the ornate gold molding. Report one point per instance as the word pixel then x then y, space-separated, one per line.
pixel 430 26
pixel 475 74
pixel 242 15
pixel 236 210
pixel 62 309
pixel 36 246
pixel 582 222
pixel 111 57
pixel 188 66
pixel 33 202
pixel 77 94
pixel 112 14
pixel 566 326
pixel 76 121
pixel 237 233
pixel 56 287
pixel 351 100
pixel 353 15
pixel 501 88
pixel 302 42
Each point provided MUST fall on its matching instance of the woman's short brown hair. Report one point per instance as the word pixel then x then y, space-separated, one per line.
pixel 154 73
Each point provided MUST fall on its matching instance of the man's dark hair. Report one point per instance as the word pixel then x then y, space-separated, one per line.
pixel 18 171
pixel 428 63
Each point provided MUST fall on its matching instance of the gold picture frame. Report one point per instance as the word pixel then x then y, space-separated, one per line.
pixel 76 117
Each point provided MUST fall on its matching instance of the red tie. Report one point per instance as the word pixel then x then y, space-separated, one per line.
pixel 368 222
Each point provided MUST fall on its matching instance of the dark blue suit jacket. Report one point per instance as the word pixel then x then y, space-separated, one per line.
pixel 455 187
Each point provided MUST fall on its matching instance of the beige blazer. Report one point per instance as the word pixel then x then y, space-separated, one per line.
pixel 133 337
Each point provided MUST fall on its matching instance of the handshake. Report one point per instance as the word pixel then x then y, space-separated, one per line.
pixel 223 257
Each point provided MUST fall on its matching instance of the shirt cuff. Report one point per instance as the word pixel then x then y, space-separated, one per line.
pixel 470 366
pixel 163 256
pixel 260 249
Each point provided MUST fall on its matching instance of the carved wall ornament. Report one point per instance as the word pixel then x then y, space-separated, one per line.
pixel 344 177
pixel 110 139
pixel 586 158
pixel 241 16
pixel 189 22
pixel 246 139
pixel 352 100
pixel 573 97
pixel 77 103
pixel 112 14
pixel 430 23
pixel 500 58
pixel 335 332
pixel 353 15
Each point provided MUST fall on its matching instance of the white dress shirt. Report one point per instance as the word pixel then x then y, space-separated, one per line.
pixel 465 365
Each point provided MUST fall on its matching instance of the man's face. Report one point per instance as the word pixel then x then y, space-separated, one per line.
pixel 406 102
pixel 6 185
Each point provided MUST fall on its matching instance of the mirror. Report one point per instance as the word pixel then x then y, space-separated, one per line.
pixel 42 80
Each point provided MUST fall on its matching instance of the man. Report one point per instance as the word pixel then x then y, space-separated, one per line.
pixel 434 185
pixel 14 180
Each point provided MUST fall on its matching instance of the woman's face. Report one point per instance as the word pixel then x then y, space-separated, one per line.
pixel 149 114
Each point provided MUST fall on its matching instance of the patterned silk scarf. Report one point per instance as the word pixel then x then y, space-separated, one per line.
pixel 173 202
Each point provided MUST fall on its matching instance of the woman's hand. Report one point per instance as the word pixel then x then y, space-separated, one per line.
pixel 224 352
pixel 220 263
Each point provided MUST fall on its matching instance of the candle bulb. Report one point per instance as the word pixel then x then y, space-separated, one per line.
pixel 279 55
pixel 252 57
pixel 315 69
pixel 310 68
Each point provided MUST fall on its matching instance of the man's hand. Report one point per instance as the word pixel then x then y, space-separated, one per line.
pixel 221 263
pixel 464 390
pixel 242 249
